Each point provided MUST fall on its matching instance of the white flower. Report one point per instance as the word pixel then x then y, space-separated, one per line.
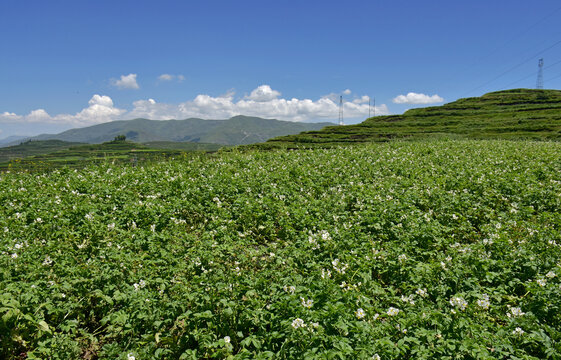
pixel 402 258
pixel 307 303
pixel 515 311
pixel 130 357
pixel 111 226
pixel 421 292
pixel 325 235
pixel 298 323
pixel 376 357
pixel 290 289
pixel 375 317
pixel 14 256
pixel 227 339
pixel 48 261
pixel 518 331
pixel 89 216
pixel 392 311
pixel 153 227
pixel 360 313
pixel 325 274
pixel 483 303
pixel 458 302
pixel 337 268
pixel 550 275
pixel 408 299
pixel 541 282
pixel 39 220
pixel 18 246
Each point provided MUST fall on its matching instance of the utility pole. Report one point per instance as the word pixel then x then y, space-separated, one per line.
pixel 539 82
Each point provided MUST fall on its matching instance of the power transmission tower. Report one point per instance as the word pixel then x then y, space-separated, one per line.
pixel 539 82
pixel 341 110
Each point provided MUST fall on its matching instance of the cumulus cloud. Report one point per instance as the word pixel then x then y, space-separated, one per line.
pixel 100 109
pixel 9 116
pixel 263 93
pixel 414 98
pixel 347 92
pixel 126 82
pixel 170 77
pixel 262 102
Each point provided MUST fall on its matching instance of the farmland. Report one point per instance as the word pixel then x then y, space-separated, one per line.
pixel 397 250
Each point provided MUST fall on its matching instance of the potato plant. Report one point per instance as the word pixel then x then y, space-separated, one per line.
pixel 419 250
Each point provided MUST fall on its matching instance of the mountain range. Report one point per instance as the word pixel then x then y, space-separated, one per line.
pixel 238 130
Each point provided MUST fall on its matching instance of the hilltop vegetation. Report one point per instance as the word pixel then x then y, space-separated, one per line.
pixel 511 114
pixel 402 250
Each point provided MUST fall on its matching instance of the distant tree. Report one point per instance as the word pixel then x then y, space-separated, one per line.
pixel 119 138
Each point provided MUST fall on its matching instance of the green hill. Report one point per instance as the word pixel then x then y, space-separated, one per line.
pixel 50 154
pixel 235 131
pixel 31 148
pixel 511 114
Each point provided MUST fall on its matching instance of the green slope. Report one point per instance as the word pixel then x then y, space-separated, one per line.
pixel 511 114
pixel 31 148
pixel 72 155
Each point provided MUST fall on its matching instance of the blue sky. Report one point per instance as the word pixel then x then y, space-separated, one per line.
pixel 65 64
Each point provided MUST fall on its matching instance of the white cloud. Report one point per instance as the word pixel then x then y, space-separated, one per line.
pixel 414 98
pixel 262 102
pixel 170 77
pixel 9 116
pixel 347 92
pixel 263 93
pixel 126 82
pixel 100 109
pixel 165 77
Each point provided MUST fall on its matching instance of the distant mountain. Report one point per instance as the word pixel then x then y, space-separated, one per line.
pixel 11 140
pixel 239 130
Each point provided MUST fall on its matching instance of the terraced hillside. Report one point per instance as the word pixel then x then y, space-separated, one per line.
pixel 511 114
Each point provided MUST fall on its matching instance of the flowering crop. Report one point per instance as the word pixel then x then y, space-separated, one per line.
pixel 419 250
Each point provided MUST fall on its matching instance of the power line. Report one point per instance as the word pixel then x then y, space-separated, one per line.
pixel 531 75
pixel 513 68
pixel 555 77
pixel 509 41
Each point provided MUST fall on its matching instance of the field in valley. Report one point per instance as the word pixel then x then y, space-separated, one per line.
pixel 397 250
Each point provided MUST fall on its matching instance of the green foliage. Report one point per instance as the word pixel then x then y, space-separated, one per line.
pixel 402 250
pixel 119 138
